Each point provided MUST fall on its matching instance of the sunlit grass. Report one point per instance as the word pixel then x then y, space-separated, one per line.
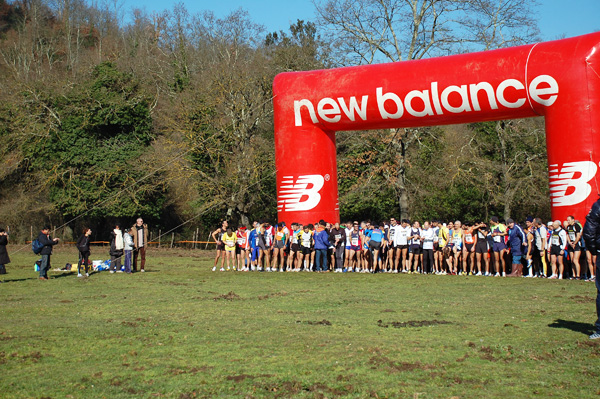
pixel 182 331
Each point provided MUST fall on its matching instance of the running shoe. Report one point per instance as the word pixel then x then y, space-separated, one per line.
pixel 214 268
pixel 595 335
pixel 79 275
pixel 222 269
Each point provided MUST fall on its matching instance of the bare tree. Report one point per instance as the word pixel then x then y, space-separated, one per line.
pixel 371 31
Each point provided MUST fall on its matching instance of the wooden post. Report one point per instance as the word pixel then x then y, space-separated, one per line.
pixel 172 239
pixel 207 241
pixel 159 234
pixel 193 246
pixel 31 233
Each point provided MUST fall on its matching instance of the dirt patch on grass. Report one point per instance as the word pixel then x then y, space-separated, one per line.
pixel 582 298
pixel 230 296
pixel 129 323
pixel 323 322
pixel 66 301
pixel 274 295
pixel 239 378
pixel 191 370
pixel 487 353
pixel 388 311
pixel 379 361
pixel 292 389
pixel 412 323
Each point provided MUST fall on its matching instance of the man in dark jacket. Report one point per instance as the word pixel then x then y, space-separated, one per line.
pixel 48 243
pixel 516 241
pixel 591 236
pixel 4 259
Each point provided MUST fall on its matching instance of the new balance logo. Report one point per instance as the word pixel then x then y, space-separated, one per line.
pixel 569 183
pixel 300 195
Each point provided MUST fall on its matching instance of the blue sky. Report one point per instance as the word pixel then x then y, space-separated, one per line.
pixel 557 18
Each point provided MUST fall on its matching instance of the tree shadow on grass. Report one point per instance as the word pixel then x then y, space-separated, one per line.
pixel 583 328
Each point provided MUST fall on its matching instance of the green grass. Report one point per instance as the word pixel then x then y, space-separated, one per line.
pixel 182 331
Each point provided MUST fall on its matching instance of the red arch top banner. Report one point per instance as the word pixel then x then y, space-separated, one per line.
pixel 559 80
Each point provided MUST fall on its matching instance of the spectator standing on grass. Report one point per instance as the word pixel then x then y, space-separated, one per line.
pixel 116 248
pixel 591 235
pixel 4 259
pixel 48 242
pixel 83 246
pixel 140 243
pixel 127 249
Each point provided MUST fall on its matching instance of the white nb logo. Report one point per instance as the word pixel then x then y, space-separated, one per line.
pixel 569 184
pixel 298 196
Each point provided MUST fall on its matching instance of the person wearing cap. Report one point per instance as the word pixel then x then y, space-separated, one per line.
pixel 516 242
pixel 498 233
pixel 591 236
pixel 557 248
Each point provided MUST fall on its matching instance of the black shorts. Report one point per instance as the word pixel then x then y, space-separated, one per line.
pixel 295 248
pixel 481 247
pixel 555 250
pixel 468 247
pixel 305 251
pixel 576 249
pixel 375 245
pixel 402 247
pixel 238 250
pixel 415 249
pixel 221 246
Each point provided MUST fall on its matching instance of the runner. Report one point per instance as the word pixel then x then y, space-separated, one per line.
pixel 557 248
pixel 376 241
pixel 436 239
pixel 574 248
pixel 338 238
pixel 240 249
pixel 305 238
pixel 427 237
pixel 391 240
pixel 294 247
pixel 457 245
pixel 482 248
pixel 415 248
pixel 217 235
pixel 264 249
pixel 516 241
pixel 355 245
pixel 469 244
pixel 280 241
pixel 541 242
pixel 254 249
pixel 498 231
pixel 229 238
pixel 348 231
pixel 401 244
pixel 531 247
pixel 443 237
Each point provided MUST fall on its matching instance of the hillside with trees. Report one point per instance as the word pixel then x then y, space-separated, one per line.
pixel 170 116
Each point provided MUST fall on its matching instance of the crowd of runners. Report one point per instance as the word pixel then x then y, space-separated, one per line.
pixel 554 250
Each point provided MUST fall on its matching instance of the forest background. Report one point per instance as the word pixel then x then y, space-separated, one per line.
pixel 169 116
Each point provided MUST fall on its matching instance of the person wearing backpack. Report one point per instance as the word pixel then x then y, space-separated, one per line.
pixel 47 242
pixel 83 245
pixel 4 259
pixel 116 248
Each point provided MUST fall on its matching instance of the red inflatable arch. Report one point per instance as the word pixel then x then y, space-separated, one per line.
pixel 559 80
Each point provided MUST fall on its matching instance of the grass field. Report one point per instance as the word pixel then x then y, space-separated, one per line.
pixel 182 331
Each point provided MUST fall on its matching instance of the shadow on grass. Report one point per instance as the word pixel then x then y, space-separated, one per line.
pixel 583 328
